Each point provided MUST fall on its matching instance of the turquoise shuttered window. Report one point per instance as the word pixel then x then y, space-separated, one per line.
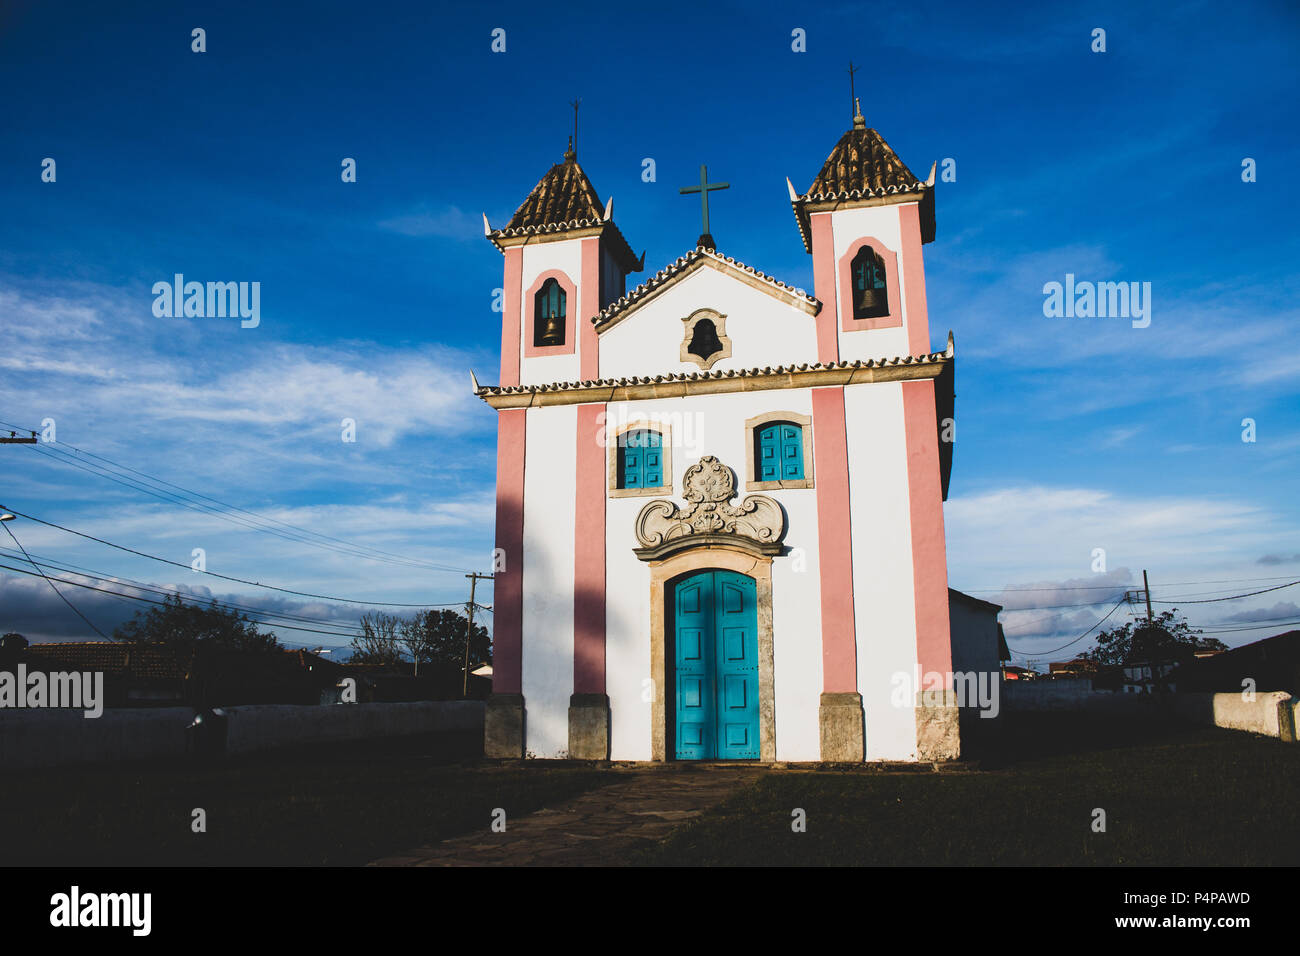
pixel 778 452
pixel 641 459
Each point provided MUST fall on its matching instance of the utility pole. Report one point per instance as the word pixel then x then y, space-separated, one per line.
pixel 469 626
pixel 1146 588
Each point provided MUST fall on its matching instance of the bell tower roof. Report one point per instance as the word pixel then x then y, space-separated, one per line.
pixel 562 196
pixel 564 201
pixel 862 168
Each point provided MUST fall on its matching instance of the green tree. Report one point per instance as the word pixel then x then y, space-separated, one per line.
pixel 177 624
pixel 1168 637
pixel 436 636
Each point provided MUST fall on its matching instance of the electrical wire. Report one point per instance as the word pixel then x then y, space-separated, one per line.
pixel 49 582
pixel 225 577
pixel 58 451
pixel 1076 640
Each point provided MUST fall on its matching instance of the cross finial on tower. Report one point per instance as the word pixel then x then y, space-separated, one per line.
pixel 853 98
pixel 573 140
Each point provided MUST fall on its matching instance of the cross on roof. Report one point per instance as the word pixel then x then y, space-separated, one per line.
pixel 704 188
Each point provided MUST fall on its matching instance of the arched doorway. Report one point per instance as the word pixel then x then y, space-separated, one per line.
pixel 715 679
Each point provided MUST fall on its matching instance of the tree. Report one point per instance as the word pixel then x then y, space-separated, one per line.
pixel 378 640
pixel 1168 637
pixel 431 637
pixel 438 636
pixel 177 624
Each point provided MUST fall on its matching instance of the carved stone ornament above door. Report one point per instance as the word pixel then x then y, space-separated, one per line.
pixel 756 525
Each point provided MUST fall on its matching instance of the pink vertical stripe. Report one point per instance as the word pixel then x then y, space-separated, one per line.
pixel 929 555
pixel 508 597
pixel 588 341
pixel 512 317
pixel 918 316
pixel 831 453
pixel 828 323
pixel 589 556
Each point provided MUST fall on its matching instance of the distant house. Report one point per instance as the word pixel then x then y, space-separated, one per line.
pixel 134 675
pixel 398 682
pixel 1153 657
pixel 978 645
pixel 158 675
pixel 1272 664
pixel 1079 667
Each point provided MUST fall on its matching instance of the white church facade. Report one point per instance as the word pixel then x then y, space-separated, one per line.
pixel 720 499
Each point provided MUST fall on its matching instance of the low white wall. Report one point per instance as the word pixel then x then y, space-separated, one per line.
pixel 1263 715
pixel 261 727
pixel 54 738
pixel 1258 716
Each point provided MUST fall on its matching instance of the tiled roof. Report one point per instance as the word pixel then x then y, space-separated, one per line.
pixel 669 273
pixel 136 660
pixel 563 195
pixel 861 166
pixel 564 199
pixel 931 358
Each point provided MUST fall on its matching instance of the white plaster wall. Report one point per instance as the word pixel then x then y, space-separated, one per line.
pixel 715 425
pixel 763 330
pixel 847 227
pixel 974 638
pixel 884 606
pixel 550 475
pixel 565 255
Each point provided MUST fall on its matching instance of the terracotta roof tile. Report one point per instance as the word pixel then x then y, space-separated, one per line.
pixel 861 166
pixel 563 195
pixel 930 358
pixel 671 271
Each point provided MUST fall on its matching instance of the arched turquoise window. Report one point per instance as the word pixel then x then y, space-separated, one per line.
pixel 640 459
pixel 548 314
pixel 778 452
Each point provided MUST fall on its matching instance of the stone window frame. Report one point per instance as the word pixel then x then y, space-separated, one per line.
pixel 719 325
pixel 665 446
pixel 570 311
pixel 889 259
pixel 751 428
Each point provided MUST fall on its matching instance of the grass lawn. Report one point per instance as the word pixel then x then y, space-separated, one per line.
pixel 1174 796
pixel 337 805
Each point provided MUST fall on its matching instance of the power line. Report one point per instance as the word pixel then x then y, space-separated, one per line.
pixel 1077 639
pixel 56 451
pixel 226 577
pixel 1232 598
pixel 1108 587
pixel 51 583
pixel 272 617
pixel 132 597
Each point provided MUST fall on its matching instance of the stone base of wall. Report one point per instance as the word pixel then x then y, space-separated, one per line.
pixel 839 720
pixel 503 726
pixel 938 725
pixel 589 727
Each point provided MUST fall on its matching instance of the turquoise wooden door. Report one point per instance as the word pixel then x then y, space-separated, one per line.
pixel 716 661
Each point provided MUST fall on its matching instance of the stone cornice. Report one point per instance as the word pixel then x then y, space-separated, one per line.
pixel 681 384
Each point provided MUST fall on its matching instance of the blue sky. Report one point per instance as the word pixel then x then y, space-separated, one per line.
pixel 1073 434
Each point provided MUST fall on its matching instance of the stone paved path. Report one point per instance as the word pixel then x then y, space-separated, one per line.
pixel 600 827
